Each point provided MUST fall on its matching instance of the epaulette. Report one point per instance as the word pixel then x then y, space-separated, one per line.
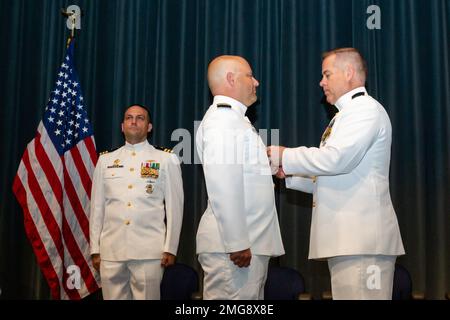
pixel 164 149
pixel 106 151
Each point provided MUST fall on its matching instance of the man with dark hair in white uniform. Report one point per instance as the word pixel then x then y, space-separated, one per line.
pixel 136 212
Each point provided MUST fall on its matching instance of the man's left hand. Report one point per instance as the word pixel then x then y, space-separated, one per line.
pixel 241 258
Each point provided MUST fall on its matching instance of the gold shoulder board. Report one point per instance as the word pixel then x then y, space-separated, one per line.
pixel 164 149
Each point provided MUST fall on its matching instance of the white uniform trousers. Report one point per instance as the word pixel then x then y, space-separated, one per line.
pixel 131 280
pixel 223 280
pixel 362 277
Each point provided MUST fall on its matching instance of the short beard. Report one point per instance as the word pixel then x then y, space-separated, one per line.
pixel 132 139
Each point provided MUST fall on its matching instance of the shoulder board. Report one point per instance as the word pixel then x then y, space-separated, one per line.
pixel 164 149
pixel 223 105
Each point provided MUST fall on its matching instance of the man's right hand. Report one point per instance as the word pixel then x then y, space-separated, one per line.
pixel 241 258
pixel 96 261
pixel 280 173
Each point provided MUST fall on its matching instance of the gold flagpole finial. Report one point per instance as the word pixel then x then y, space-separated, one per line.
pixel 73 13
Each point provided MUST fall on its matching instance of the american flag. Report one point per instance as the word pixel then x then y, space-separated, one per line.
pixel 53 186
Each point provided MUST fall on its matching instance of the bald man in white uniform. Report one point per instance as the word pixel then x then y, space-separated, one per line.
pixel 239 230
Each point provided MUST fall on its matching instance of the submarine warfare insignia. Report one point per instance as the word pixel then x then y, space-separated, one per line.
pixel 116 164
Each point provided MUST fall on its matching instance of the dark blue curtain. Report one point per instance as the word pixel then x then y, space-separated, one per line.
pixel 156 52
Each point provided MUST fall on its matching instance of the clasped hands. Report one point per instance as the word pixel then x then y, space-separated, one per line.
pixel 275 154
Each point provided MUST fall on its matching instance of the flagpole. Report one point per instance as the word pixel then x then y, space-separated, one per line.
pixel 74 20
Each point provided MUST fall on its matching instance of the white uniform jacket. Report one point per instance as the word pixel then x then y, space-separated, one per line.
pixel 241 210
pixel 349 178
pixel 134 189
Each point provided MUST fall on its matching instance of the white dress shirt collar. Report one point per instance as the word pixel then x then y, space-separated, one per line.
pixel 138 146
pixel 346 98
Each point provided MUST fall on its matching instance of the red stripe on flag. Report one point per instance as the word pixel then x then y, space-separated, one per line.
pixel 36 241
pixel 76 204
pixel 50 223
pixel 90 146
pixel 55 184
pixel 78 258
pixel 60 229
pixel 45 211
pixel 69 239
pixel 81 168
pixel 49 170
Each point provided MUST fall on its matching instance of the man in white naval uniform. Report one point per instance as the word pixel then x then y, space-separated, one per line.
pixel 239 231
pixel 135 189
pixel 354 225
